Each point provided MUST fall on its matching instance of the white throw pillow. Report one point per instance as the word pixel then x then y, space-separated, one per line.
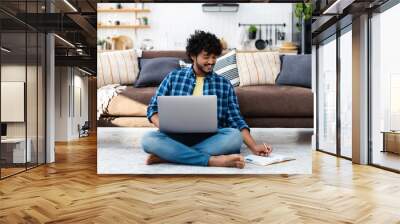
pixel 258 68
pixel 183 64
pixel 117 67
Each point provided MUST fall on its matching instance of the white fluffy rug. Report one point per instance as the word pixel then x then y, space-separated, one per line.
pixel 119 152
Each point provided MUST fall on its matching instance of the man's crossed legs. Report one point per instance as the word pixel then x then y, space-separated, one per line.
pixel 219 149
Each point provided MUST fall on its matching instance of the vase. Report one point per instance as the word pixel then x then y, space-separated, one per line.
pixel 252 35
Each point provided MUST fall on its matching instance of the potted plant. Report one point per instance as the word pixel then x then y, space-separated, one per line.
pixel 252 32
pixel 100 44
pixel 303 12
pixel 145 20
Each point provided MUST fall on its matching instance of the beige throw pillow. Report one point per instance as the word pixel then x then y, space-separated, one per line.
pixel 117 67
pixel 258 68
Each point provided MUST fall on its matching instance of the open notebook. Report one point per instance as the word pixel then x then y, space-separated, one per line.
pixel 263 161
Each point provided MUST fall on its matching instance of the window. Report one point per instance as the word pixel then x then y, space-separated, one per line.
pixel 334 106
pixel 385 89
pixel 346 93
pixel 22 77
pixel 327 97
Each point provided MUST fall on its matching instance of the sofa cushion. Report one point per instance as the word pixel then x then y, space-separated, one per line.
pixel 280 122
pixel 275 122
pixel 296 71
pixel 257 68
pixel 131 102
pixel 254 101
pixel 117 67
pixel 226 66
pixel 275 101
pixel 154 70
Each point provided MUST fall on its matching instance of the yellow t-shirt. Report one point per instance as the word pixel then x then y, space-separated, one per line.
pixel 198 88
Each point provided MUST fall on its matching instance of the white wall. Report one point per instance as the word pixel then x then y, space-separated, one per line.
pixel 172 23
pixel 17 73
pixel 34 125
pixel 14 73
pixel 80 84
pixel 61 103
pixel 67 80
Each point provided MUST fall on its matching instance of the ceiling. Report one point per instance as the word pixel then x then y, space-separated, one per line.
pixel 326 24
pixel 72 20
pixel 58 5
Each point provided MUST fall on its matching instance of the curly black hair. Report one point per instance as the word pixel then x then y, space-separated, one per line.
pixel 201 40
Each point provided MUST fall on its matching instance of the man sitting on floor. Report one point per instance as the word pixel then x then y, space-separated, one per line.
pixel 218 149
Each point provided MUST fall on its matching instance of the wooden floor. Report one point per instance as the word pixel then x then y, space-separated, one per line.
pixel 5 172
pixel 9 171
pixel 70 191
pixel 387 159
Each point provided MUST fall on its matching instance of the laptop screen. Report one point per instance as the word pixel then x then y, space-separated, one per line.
pixel 3 129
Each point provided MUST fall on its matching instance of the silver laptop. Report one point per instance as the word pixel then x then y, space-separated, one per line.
pixel 188 114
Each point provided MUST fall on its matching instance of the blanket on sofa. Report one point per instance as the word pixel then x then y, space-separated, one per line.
pixel 104 96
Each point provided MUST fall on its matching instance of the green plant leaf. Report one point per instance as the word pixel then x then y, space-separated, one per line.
pixel 307 11
pixel 298 11
pixel 252 29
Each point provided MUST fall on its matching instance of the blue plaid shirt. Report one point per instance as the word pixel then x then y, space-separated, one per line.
pixel 181 82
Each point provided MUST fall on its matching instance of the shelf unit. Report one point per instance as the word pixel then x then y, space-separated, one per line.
pixel 123 26
pixel 124 10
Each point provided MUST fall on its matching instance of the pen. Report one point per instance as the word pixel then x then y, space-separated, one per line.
pixel 265 147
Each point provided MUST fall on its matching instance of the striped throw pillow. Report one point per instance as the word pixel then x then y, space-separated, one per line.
pixel 258 68
pixel 226 67
pixel 117 67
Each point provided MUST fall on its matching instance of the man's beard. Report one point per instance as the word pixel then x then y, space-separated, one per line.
pixel 202 68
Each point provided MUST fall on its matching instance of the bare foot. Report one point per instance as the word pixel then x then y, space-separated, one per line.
pixel 234 160
pixel 153 159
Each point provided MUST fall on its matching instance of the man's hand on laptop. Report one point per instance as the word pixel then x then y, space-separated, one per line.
pixel 262 150
pixel 155 120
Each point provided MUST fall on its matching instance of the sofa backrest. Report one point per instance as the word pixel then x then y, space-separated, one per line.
pixel 156 54
pixel 173 53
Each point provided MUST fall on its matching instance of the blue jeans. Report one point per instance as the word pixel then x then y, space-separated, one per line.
pixel 192 149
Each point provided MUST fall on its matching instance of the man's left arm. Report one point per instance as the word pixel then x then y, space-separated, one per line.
pixel 236 120
pixel 260 150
